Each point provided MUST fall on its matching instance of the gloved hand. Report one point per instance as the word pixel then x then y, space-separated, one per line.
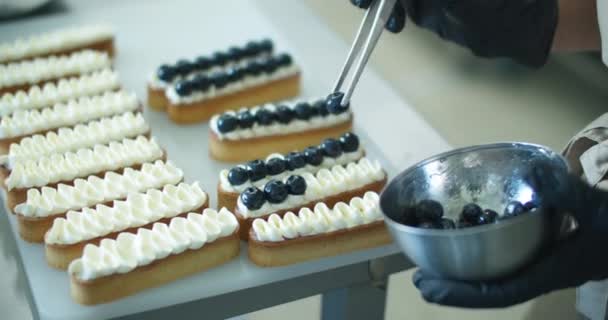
pixel 519 29
pixel 569 263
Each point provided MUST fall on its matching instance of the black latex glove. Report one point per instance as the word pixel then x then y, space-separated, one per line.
pixel 522 30
pixel 395 23
pixel 569 263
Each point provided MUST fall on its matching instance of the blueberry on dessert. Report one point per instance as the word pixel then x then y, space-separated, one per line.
pixel 235 53
pixel 184 67
pixel 349 142
pixel 284 59
pixel 276 166
pixel 183 88
pixel 331 148
pixel 270 64
pixel 245 118
pixel 219 58
pixel 254 68
pixel 266 45
pixel 303 111
pixel 321 108
pixel 313 156
pixel 253 198
pixel 295 160
pixel 219 79
pixel 296 185
pixel 252 48
pixel 275 191
pixel 165 73
pixel 200 82
pixel 488 216
pixel 234 74
pixel 471 213
pixel 447 224
pixel 237 176
pixel 264 117
pixel 202 63
pixel 227 123
pixel 256 170
pixel 334 103
pixel 429 210
pixel 514 208
pixel 284 114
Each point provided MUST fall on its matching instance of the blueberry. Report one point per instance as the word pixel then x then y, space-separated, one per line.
pixel 429 210
pixel 246 119
pixel 253 198
pixel 331 148
pixel 219 79
pixel 235 53
pixel 530 205
pixel 461 224
pixel 349 142
pixel 321 108
pixel 514 208
pixel 252 48
pixel 285 114
pixel 447 224
pixel 471 213
pixel 275 191
pixel 296 185
pixel 264 116
pixel 254 68
pixel 227 123
pixel 183 88
pixel 201 82
pixel 237 176
pixel 166 73
pixel 266 45
pixel 256 170
pixel 408 217
pixel 333 103
pixel 270 65
pixel 488 216
pixel 184 67
pixel 219 58
pixel 313 156
pixel 284 60
pixel 276 166
pixel 234 74
pixel 295 160
pixel 303 111
pixel 202 63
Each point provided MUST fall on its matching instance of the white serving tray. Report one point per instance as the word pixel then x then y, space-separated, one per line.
pixel 150 32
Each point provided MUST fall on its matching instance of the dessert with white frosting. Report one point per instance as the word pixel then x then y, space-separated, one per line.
pixel 21 75
pixel 38 97
pixel 193 91
pixel 62 41
pixel 42 206
pixel 271 128
pixel 148 258
pixel 66 167
pixel 68 235
pixel 20 124
pixel 317 232
pixel 340 183
pixel 103 131
pixel 167 75
pixel 277 166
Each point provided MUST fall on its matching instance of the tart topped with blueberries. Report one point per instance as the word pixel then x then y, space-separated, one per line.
pixel 256 173
pixel 281 127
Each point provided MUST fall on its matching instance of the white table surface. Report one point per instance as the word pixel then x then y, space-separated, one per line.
pixel 150 32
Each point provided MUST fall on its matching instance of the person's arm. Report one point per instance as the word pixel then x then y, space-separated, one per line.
pixel 577 27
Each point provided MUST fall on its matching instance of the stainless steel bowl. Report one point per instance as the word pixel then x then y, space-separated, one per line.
pixel 489 175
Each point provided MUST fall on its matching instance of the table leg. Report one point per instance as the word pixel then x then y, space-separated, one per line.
pixel 363 301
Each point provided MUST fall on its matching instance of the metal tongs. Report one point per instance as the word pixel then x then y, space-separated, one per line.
pixel 365 41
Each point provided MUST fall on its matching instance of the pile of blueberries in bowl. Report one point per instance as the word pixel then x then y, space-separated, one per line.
pixel 429 214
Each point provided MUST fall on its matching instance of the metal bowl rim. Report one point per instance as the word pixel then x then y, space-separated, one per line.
pixel 474 229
